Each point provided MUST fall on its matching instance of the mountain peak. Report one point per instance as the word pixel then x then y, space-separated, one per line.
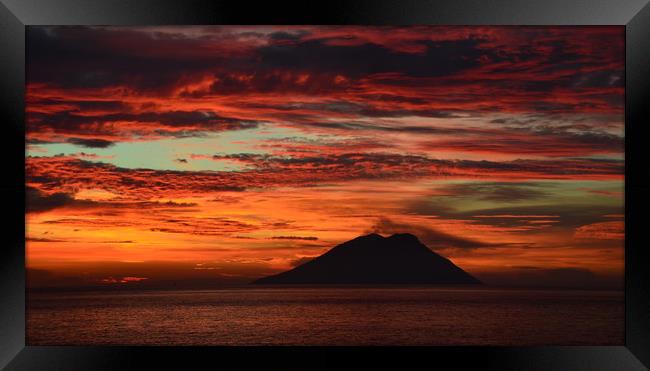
pixel 374 259
pixel 371 236
pixel 396 236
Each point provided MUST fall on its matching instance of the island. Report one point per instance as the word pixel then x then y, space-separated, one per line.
pixel 374 259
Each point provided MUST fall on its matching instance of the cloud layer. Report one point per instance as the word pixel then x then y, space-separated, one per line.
pixel 232 152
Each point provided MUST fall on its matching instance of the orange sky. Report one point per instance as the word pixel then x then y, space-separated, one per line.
pixel 222 154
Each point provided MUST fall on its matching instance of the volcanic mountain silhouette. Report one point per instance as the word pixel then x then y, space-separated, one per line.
pixel 373 259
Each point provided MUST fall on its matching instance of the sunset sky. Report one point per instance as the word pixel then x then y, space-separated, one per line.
pixel 167 154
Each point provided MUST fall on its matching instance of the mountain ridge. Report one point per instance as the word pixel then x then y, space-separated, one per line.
pixel 373 259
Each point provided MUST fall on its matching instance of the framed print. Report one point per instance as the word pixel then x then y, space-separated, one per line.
pixel 366 183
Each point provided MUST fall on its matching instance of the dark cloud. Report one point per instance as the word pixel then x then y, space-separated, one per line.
pixel 562 167
pixel 441 58
pixel 550 142
pixel 601 140
pixel 550 61
pixel 36 201
pixel 166 204
pixel 564 216
pixel 91 143
pixel 543 140
pixel 395 129
pixel 422 165
pixel 269 161
pixel 81 105
pixel 36 141
pixel 431 237
pixel 356 109
pixel 261 81
pixel 108 124
pixel 365 72
pixel 599 79
pixel 85 57
pixel 227 188
pixel 567 215
pixel 496 191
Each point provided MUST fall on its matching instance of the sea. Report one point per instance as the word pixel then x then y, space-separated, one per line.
pixel 329 316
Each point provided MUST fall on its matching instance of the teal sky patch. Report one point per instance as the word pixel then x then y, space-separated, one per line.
pixel 190 154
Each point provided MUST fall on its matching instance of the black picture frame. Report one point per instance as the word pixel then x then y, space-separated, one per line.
pixel 15 15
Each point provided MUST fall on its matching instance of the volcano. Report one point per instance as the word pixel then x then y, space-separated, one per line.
pixel 374 259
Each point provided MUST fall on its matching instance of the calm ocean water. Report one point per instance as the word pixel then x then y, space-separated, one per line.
pixel 327 316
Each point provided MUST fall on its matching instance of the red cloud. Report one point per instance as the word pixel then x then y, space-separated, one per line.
pixel 602 231
pixel 120 84
pixel 65 173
